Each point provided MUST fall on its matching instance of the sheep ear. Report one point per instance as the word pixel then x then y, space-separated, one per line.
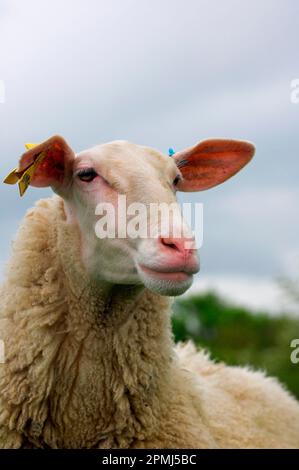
pixel 46 164
pixel 211 162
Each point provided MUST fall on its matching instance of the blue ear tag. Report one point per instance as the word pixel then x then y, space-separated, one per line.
pixel 171 152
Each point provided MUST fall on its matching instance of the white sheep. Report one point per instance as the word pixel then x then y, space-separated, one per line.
pixel 89 355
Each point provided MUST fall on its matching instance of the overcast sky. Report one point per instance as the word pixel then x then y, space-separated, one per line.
pixel 165 74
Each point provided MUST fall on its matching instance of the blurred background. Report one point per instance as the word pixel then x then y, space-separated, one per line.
pixel 167 74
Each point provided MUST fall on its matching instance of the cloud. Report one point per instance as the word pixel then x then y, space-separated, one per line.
pixel 275 204
pixel 251 231
pixel 257 293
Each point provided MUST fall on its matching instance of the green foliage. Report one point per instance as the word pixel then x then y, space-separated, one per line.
pixel 236 335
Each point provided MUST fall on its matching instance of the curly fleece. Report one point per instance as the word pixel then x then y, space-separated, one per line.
pixel 89 369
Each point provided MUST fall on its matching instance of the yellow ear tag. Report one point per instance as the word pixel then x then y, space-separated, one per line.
pixel 23 177
pixel 12 177
pixel 30 146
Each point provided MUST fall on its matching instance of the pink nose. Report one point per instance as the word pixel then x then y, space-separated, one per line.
pixel 184 247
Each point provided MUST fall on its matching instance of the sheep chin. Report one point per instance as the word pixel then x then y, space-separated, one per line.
pixel 167 287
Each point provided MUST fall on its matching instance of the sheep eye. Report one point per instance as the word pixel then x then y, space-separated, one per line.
pixel 87 174
pixel 176 180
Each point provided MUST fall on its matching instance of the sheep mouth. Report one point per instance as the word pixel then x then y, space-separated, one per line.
pixel 174 276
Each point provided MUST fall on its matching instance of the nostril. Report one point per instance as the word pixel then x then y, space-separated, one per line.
pixel 176 244
pixel 181 245
pixel 180 253
pixel 169 243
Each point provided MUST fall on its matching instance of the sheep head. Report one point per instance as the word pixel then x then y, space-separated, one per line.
pixel 128 184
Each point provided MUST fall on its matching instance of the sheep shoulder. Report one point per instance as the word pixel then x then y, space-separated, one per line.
pixel 244 408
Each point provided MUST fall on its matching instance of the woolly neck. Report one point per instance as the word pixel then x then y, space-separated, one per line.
pixel 105 376
pixel 113 303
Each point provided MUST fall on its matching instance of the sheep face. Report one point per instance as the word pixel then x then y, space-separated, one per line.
pixel 131 184
pixel 122 198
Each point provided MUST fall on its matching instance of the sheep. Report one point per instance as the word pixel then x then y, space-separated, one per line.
pixel 89 355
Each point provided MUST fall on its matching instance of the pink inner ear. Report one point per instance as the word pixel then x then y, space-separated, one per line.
pixel 51 169
pixel 212 162
pixel 54 168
